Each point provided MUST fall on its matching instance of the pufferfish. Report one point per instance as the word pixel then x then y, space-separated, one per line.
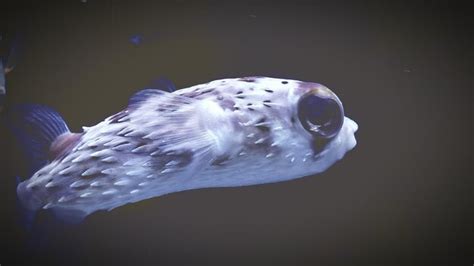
pixel 225 133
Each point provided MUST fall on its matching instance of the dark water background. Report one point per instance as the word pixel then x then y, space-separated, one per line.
pixel 403 196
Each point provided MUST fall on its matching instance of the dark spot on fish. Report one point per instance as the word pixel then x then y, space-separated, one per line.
pixel 262 128
pixel 219 161
pixel 92 146
pixel 193 94
pixel 90 176
pixel 247 79
pixel 141 143
pixel 207 91
pixel 166 108
pixel 80 186
pixel 123 133
pixel 265 103
pixel 236 108
pixel 239 92
pixel 54 188
pixel 249 104
pixel 227 104
pixel 49 181
pixel 156 153
pixel 181 159
pixel 251 109
pixel 240 97
pixel 284 82
pixel 269 91
pixel 293 120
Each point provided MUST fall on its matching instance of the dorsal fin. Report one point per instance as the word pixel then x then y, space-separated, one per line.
pixel 159 87
pixel 163 84
pixel 142 95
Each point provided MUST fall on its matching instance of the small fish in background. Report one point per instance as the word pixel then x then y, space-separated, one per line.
pixel 149 38
pixel 225 133
pixel 136 39
pixel 3 71
pixel 9 55
pixel 3 91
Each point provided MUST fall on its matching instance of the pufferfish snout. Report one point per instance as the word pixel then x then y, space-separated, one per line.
pixel 224 133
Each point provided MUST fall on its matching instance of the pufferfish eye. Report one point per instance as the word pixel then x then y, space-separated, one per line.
pixel 321 116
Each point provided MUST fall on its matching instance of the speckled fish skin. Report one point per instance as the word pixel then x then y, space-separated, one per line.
pixel 225 133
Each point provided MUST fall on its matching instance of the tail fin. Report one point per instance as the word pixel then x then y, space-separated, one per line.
pixel 35 127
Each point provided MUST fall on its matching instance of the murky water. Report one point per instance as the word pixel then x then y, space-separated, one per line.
pixel 399 70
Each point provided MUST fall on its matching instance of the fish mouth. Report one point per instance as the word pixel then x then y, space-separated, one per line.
pixel 343 142
pixel 352 127
pixel 352 124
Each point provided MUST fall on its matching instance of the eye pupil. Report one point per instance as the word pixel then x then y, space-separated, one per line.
pixel 322 117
